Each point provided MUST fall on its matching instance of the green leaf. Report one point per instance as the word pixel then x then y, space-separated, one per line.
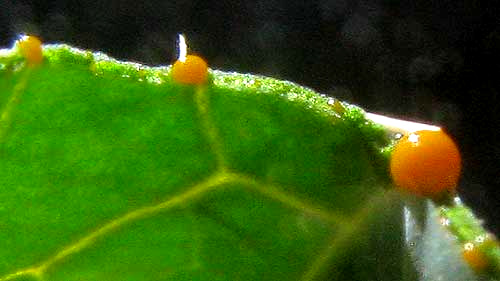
pixel 112 171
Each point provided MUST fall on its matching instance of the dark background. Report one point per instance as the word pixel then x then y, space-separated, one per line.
pixel 430 61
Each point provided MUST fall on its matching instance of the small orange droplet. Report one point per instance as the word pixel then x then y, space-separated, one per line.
pixel 193 70
pixel 426 163
pixel 31 49
pixel 475 258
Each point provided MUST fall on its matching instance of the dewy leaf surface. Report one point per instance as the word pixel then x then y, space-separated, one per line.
pixel 111 171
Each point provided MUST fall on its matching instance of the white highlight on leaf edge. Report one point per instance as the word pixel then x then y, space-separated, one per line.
pixel 400 126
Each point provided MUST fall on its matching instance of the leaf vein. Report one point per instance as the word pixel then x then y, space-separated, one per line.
pixel 6 114
pixel 193 192
pixel 277 193
pixel 337 244
pixel 202 104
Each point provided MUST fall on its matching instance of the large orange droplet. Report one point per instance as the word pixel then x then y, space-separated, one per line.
pixel 426 163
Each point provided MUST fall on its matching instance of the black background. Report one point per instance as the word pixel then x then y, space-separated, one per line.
pixel 430 61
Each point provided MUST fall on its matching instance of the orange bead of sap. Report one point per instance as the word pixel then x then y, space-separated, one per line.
pixel 31 49
pixel 426 163
pixel 475 258
pixel 193 70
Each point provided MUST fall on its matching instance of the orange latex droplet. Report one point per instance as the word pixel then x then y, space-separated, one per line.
pixel 31 49
pixel 475 258
pixel 426 163
pixel 193 70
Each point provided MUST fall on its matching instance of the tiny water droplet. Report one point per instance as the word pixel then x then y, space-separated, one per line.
pixel 444 221
pixel 480 239
pixel 469 246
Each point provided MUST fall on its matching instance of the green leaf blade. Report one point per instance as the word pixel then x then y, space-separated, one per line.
pixel 111 171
